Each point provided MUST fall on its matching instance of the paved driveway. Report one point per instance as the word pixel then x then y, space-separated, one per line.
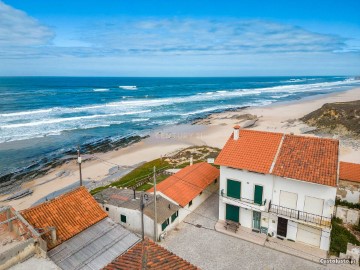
pixel 209 249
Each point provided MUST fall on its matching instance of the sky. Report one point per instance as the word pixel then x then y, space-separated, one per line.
pixel 179 38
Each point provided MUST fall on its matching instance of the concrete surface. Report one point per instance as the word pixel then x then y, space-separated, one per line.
pixel 196 240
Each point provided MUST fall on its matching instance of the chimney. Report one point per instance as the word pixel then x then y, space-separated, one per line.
pixel 236 132
pixel 191 160
pixel 53 235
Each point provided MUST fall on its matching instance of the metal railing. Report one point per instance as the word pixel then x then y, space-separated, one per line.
pixel 242 199
pixel 299 215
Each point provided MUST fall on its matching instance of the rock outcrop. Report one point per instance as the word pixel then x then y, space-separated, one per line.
pixel 341 118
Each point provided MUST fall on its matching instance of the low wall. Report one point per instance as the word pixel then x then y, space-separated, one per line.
pixel 348 215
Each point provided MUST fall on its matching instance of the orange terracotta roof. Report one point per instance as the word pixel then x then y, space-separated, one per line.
pixel 187 183
pixel 309 159
pixel 148 255
pixel 253 151
pixel 349 171
pixel 70 214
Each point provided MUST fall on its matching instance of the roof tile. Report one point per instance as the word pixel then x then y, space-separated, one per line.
pixel 187 183
pixel 70 214
pixel 253 151
pixel 308 159
pixel 350 171
pixel 149 255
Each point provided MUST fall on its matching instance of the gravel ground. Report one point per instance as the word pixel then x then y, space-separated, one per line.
pixel 208 249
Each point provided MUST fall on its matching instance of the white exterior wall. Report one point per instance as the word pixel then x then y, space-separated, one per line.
pixel 248 181
pixel 185 211
pixel 133 220
pixel 304 189
pixel 272 185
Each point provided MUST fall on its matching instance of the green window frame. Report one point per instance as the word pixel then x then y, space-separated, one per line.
pixel 165 224
pixel 233 189
pixel 258 194
pixel 123 218
pixel 174 216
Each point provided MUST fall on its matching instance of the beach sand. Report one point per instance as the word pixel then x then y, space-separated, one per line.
pixel 213 131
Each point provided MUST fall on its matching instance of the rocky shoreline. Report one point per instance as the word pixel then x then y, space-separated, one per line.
pixel 11 182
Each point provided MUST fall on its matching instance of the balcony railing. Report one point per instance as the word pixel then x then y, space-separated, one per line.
pixel 299 215
pixel 242 199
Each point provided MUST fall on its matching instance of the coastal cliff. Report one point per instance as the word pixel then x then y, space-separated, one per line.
pixel 342 118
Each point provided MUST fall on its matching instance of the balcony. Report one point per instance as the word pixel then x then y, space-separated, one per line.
pixel 244 202
pixel 300 215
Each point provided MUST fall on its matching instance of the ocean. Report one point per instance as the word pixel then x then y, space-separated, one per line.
pixel 43 118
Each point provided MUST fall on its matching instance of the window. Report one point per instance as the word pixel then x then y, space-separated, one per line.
pixel 123 218
pixel 165 224
pixel 190 203
pixel 174 216
pixel 215 181
pixel 258 194
pixel 233 189
pixel 107 209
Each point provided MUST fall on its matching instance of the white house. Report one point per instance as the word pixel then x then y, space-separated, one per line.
pixel 123 206
pixel 190 187
pixel 282 185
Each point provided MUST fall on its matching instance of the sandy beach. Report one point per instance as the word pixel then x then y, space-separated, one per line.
pixel 212 131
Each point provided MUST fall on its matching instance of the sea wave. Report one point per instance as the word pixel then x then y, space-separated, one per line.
pixel 25 113
pixel 101 89
pixel 128 87
pixel 77 118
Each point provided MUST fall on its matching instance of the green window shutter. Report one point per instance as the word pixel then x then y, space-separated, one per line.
pixel 258 194
pixel 165 224
pixel 123 218
pixel 232 212
pixel 233 189
pixel 174 216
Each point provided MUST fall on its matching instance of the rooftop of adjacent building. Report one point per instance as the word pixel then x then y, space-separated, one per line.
pixel 149 255
pixel 130 199
pixel 349 172
pixel 189 182
pixel 69 214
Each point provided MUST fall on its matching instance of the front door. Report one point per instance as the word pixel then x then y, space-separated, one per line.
pixel 232 212
pixel 256 220
pixel 282 227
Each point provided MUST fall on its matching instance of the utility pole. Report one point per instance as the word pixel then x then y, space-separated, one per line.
pixel 155 219
pixel 79 162
pixel 142 214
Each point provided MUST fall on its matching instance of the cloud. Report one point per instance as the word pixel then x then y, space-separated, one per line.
pixel 22 36
pixel 191 36
pixel 17 29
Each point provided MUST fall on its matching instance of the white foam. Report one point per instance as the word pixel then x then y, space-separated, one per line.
pixel 101 89
pixel 128 87
pixel 25 113
pixel 77 118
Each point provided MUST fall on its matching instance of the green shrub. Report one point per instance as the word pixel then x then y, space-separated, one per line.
pixel 347 204
pixel 340 236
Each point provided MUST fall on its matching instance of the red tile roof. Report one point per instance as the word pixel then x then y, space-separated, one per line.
pixel 253 151
pixel 349 171
pixel 148 255
pixel 187 183
pixel 70 214
pixel 309 159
